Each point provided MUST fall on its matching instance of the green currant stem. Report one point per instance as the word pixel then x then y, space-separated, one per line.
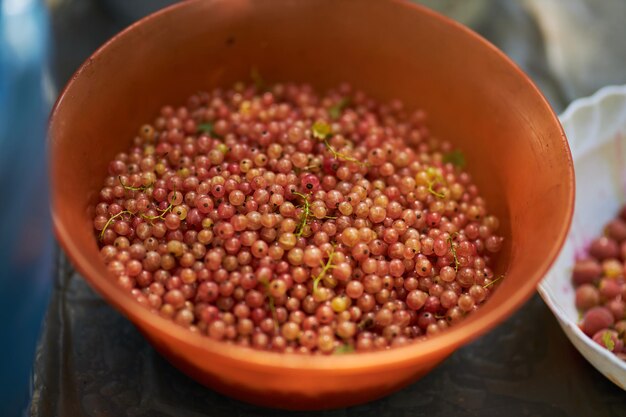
pixel 306 212
pixel 453 250
pixel 108 223
pixel 131 188
pixel 159 216
pixel 273 310
pixel 431 190
pixel 325 268
pixel 272 306
pixel 310 167
pixel 163 212
pixel 365 323
pixel 494 281
pixel 339 155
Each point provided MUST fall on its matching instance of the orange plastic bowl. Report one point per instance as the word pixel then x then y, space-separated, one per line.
pixel 475 96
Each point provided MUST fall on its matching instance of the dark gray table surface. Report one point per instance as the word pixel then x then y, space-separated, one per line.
pixel 93 362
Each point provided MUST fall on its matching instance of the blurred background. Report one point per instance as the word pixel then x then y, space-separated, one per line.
pixel 82 358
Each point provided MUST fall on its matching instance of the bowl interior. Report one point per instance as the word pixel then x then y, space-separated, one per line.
pixel 474 96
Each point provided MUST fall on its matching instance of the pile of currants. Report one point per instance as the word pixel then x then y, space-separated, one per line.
pixel 601 288
pixel 279 219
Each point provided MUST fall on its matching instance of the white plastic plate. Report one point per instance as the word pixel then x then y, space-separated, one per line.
pixel 596 129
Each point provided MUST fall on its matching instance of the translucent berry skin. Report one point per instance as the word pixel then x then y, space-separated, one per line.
pixel 595 319
pixel 604 248
pixel 587 296
pixel 586 271
pixel 288 221
pixel 616 230
pixel 600 286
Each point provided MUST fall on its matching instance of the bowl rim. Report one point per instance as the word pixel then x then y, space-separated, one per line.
pixel 471 328
pixel 577 107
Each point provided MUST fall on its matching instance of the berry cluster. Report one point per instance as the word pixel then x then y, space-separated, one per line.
pixel 287 221
pixel 601 288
